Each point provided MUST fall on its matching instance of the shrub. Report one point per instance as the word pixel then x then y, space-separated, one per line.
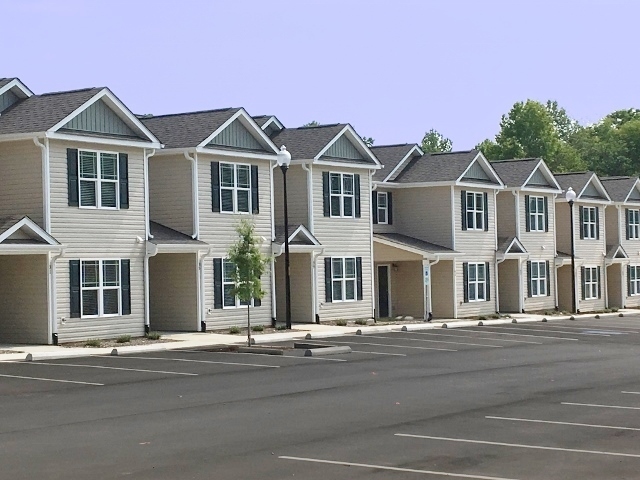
pixel 257 328
pixel 281 327
pixel 494 316
pixel 123 339
pixel 153 336
pixel 234 330
pixel 341 323
pixel 361 321
pixel 482 317
pixel 93 342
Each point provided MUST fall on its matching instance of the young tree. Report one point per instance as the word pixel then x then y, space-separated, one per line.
pixel 433 141
pixel 249 266
pixel 368 141
pixel 312 123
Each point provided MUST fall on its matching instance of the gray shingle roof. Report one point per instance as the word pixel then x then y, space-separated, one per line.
pixel 261 119
pixel 292 228
pixel 390 156
pixel 618 188
pixel 577 180
pixel 413 243
pixel 514 173
pixel 4 81
pixel 613 249
pixel 437 167
pixel 304 143
pixel 167 236
pixel 505 242
pixel 39 113
pixel 183 130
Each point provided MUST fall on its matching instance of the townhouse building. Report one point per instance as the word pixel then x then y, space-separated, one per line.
pixel 435 233
pixel 526 252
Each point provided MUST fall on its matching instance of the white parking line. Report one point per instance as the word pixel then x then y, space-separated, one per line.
pixel 517 445
pixel 518 334
pixel 196 361
pixel 607 325
pixel 53 380
pixel 527 329
pixel 632 393
pixel 380 353
pixel 110 368
pixel 603 328
pixel 268 355
pixel 600 406
pixel 432 341
pixel 473 336
pixel 392 469
pixel 561 423
pixel 394 346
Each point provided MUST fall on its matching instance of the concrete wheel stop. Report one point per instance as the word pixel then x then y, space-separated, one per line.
pixel 319 350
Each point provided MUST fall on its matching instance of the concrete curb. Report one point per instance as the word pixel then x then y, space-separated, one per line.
pixel 321 352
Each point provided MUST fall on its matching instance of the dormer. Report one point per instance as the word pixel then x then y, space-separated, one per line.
pixel 12 90
pixel 269 124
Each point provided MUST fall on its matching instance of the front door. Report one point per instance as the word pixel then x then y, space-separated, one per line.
pixel 383 291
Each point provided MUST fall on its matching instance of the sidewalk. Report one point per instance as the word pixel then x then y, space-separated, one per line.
pixel 297 332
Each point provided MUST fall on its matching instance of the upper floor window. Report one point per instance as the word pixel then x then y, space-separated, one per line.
pixel 100 288
pixel 383 208
pixel 475 211
pixel 235 188
pixel 342 194
pixel 536 214
pixel 98 179
pixel 589 222
pixel 633 224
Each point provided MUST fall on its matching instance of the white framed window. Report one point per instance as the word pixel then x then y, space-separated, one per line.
pixel 341 190
pixel 591 282
pixel 383 208
pixel 98 178
pixel 477 282
pixel 634 224
pixel 589 223
pixel 536 214
pixel 343 279
pixel 229 300
pixel 634 280
pixel 538 280
pixel 235 188
pixel 475 211
pixel 100 288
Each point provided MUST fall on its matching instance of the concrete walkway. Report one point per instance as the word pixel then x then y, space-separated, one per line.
pixel 298 332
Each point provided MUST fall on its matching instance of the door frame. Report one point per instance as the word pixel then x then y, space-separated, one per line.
pixel 388 265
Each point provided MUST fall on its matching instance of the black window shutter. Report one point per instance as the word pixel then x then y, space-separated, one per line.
pixel 389 209
pixel 125 282
pixel 123 159
pixel 463 202
pixel 356 192
pixel 488 277
pixel 584 284
pixel 255 196
pixel 548 283
pixel 626 222
pixel 628 280
pixel 326 198
pixel 599 284
pixel 359 277
pixel 74 287
pixel 582 224
pixel 215 189
pixel 257 302
pixel 374 207
pixel 328 293
pixel 529 292
pixel 465 281
pixel 72 178
pixel 598 224
pixel 486 211
pixel 527 212
pixel 217 283
pixel 546 215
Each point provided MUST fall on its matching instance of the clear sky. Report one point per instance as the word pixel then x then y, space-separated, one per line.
pixel 392 68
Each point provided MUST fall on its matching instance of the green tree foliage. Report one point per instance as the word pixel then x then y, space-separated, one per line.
pixel 368 141
pixel 312 123
pixel 249 266
pixel 433 142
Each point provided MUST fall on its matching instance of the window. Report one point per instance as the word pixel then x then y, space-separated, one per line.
pixel 477 282
pixel 228 284
pixel 235 188
pixel 100 288
pixel 383 208
pixel 634 223
pixel 634 279
pixel 589 222
pixel 591 282
pixel 343 279
pixel 536 214
pixel 342 194
pixel 98 173
pixel 475 211
pixel 538 279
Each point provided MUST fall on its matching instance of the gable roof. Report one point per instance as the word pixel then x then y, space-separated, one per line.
pixel 34 234
pixel 579 181
pixel 412 244
pixel 392 157
pixel 16 86
pixel 619 188
pixel 163 235
pixel 510 245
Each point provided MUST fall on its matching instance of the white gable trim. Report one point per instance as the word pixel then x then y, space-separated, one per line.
pixel 486 166
pixel 271 120
pixel 542 166
pixel 356 140
pixel 518 244
pixel 118 108
pixel 251 125
pixel 15 83
pixel 33 227
pixel 401 163
pixel 599 187
pixel 636 186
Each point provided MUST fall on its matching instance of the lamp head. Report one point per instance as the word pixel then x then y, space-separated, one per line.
pixel 284 157
pixel 570 195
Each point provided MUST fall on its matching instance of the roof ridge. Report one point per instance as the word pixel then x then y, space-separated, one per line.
pixel 393 145
pixel 316 126
pixel 189 113
pixel 617 177
pixel 69 91
pixel 453 152
pixel 529 159
pixel 574 173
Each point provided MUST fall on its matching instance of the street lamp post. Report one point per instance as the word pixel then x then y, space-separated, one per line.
pixel 284 159
pixel 571 197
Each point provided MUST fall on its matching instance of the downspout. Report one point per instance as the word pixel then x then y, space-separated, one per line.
pixel 46 182
pixel 53 298
pixel 151 251
pixel 194 193
pixel 146 192
pixel 604 258
pixel 202 324
pixel 498 262
pixel 427 290
pixel 309 171
pixel 454 263
pixel 314 284
pixel 555 250
pixel 516 195
pixel 373 293
pixel 495 236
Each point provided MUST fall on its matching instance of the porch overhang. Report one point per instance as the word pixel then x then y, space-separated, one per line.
pixel 22 236
pixel 301 240
pixel 511 248
pixel 563 259
pixel 412 248
pixel 167 240
pixel 616 254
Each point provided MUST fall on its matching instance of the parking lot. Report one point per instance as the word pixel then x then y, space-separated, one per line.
pixel 550 400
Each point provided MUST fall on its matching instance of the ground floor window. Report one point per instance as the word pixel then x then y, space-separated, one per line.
pixel 343 279
pixel 538 281
pixel 100 287
pixel 633 275
pixel 476 282
pixel 590 283
pixel 228 285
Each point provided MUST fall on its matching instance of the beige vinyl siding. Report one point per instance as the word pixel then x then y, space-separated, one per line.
pixel 23 299
pixel 407 289
pixel 98 234
pixel 509 291
pixel 387 254
pixel 562 225
pixel 173 291
pixel 506 209
pixel 344 237
pixel 301 288
pixel 617 287
pixel 631 246
pixel 615 225
pixel 442 289
pixel 386 228
pixel 218 230
pixel 21 176
pixel 424 213
pixel 298 202
pixel 170 195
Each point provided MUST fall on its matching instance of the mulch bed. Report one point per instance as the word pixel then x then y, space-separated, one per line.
pixel 113 343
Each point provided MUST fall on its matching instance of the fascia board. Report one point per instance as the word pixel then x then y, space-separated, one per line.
pixel 403 161
pixel 101 140
pixel 233 153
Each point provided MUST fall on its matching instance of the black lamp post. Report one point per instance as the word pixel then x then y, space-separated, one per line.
pixel 571 196
pixel 284 159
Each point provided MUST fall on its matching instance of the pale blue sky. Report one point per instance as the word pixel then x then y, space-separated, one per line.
pixel 393 68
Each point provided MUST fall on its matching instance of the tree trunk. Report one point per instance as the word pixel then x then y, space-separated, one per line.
pixel 249 324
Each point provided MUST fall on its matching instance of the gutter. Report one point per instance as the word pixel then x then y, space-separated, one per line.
pixel 146 192
pixel 194 193
pixel 46 182
pixel 151 251
pixel 309 171
pixel 53 323
pixel 202 324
